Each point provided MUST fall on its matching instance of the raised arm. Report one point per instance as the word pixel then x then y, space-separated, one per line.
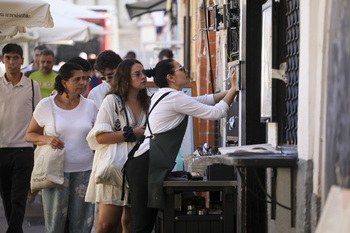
pixel 230 95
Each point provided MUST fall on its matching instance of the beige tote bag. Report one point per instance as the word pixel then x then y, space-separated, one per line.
pixel 48 165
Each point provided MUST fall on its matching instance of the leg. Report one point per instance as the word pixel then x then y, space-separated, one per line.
pixel 55 205
pixel 20 167
pixel 80 213
pixel 143 218
pixel 126 219
pixel 5 182
pixel 108 218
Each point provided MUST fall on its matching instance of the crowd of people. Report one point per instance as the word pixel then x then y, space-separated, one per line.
pixel 117 116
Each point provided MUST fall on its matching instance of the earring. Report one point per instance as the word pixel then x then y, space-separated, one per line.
pixel 67 96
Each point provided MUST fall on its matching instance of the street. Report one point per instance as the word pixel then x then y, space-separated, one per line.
pixel 33 219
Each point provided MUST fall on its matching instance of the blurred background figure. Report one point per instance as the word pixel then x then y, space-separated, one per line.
pixel 165 54
pixel 158 18
pixel 130 55
pixel 45 76
pixel 95 78
pixel 83 55
pixel 34 66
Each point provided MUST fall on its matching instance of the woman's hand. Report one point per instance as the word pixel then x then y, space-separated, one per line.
pixel 139 131
pixel 55 142
pixel 232 92
pixel 233 78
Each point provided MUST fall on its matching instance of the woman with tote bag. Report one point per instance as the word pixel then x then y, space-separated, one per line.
pixel 74 118
pixel 120 122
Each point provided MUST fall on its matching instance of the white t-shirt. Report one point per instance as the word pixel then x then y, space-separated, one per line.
pixel 72 127
pixel 173 108
pixel 27 68
pixel 158 18
pixel 98 93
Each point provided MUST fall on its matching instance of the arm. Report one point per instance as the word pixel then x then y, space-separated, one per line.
pixel 105 117
pixel 35 135
pixel 230 96
pixel 219 96
pixel 222 95
pixel 115 137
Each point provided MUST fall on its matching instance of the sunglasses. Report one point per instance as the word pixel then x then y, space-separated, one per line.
pixel 181 68
pixel 109 77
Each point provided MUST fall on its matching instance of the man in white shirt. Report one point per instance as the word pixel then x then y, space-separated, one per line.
pixel 106 64
pixel 19 95
pixel 36 57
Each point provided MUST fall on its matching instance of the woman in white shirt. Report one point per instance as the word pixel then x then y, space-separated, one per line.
pixel 74 118
pixel 167 122
pixel 120 121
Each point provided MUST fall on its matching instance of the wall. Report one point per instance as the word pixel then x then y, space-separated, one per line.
pixel 200 66
pixel 337 130
pixel 314 23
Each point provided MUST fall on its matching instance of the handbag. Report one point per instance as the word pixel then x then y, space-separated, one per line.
pixel 110 163
pixel 48 165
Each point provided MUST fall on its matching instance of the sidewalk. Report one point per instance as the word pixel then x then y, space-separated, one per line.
pixel 33 219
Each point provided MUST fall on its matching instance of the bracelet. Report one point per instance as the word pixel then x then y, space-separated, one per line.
pixel 129 134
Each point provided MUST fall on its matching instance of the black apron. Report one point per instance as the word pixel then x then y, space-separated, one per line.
pixel 164 148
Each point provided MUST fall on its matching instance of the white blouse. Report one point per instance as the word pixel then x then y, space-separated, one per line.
pixel 171 110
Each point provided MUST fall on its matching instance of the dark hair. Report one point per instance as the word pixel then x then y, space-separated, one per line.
pixel 47 52
pixel 121 82
pixel 12 48
pixel 107 59
pixel 130 55
pixel 165 52
pixel 65 73
pixel 82 62
pixel 40 47
pixel 159 73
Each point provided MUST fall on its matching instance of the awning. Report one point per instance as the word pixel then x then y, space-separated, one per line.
pixel 25 13
pixel 140 8
pixel 72 10
pixel 65 31
pixel 15 15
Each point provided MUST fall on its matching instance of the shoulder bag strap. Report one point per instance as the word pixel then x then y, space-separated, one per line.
pixel 53 117
pixel 125 111
pixel 32 95
pixel 160 98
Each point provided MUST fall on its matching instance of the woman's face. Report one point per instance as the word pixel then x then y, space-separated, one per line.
pixel 180 74
pixel 76 84
pixel 138 79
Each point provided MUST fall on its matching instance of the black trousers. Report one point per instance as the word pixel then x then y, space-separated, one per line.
pixel 16 166
pixel 143 218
